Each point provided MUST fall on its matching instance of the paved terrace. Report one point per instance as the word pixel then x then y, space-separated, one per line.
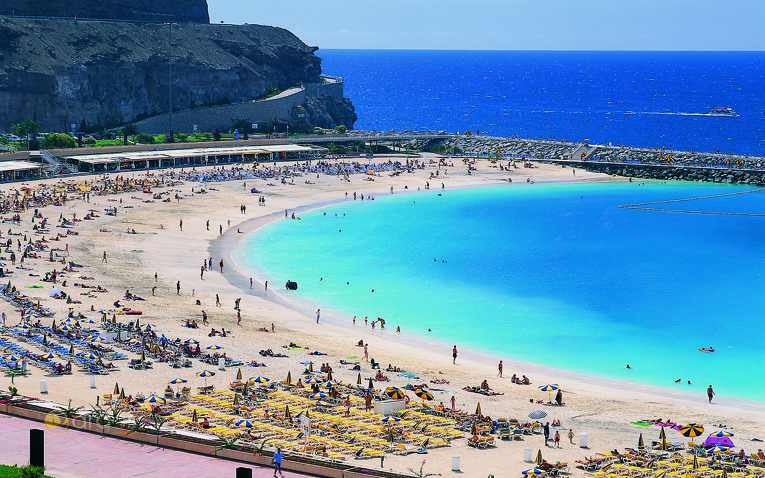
pixel 78 454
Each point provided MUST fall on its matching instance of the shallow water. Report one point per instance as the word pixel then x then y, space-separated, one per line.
pixel 554 274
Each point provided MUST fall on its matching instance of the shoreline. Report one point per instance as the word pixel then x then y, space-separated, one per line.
pixel 601 409
pixel 231 240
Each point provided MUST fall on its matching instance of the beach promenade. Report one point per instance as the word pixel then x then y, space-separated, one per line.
pixel 73 453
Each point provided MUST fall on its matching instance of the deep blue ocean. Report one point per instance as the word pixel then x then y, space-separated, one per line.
pixel 630 98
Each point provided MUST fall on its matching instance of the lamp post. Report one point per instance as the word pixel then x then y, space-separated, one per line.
pixel 170 86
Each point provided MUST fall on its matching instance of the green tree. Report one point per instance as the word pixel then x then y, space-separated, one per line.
pixel 341 128
pixel 59 141
pixel 26 127
pixel 144 138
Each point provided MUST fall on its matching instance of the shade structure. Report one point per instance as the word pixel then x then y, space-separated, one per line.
pixel 143 355
pixel 244 390
pixel 537 414
pixel 239 374
pixel 205 374
pixel 723 441
pixel 721 434
pixel 176 381
pixel 394 393
pixel 478 409
pixel 390 418
pixel 122 393
pixel 214 347
pixel 358 380
pixel 717 449
pixel 662 435
pixel 288 381
pixel 641 444
pixel 314 380
pixel 259 379
pixel 371 383
pixel 244 424
pixel 116 388
pixel 190 342
pixel 692 430
pixel 329 375
pixel 695 462
pixel 331 383
pixel 194 415
pixel 533 471
pixel 423 394
pixel 318 395
pixel 539 457
pixel 88 356
pixel 49 356
pixel 549 388
pixel 287 413
pixel 156 399
pixel 12 358
pixel 310 367
pixel 236 399
pixel 119 335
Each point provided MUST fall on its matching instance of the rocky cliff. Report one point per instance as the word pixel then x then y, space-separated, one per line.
pixel 64 72
pixel 183 11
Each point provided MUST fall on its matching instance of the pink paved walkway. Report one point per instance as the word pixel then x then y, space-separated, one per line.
pixel 77 454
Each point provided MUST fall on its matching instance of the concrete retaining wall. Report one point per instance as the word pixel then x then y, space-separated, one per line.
pixel 256 111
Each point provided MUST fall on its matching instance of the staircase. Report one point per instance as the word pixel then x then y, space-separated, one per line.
pixel 55 163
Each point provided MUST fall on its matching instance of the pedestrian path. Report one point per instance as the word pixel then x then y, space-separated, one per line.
pixel 77 454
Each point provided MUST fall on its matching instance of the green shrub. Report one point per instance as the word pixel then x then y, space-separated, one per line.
pixel 144 138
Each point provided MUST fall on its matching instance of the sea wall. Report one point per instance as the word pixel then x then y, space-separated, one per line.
pixel 619 160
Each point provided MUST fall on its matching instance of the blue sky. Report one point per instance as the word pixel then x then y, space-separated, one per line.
pixel 510 24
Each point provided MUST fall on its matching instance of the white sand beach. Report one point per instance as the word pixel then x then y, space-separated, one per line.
pixel 601 408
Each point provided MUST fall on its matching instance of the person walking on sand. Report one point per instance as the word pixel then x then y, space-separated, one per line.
pixel 180 224
pixel 454 355
pixel 546 429
pixel 710 393
pixel 208 224
pixel 238 317
pixel 204 318
pixel 265 289
pixel 318 315
pixel 500 369
pixel 250 283
pixel 217 301
pixel 202 273
pixel 178 288
pixel 571 436
pixel 221 266
pixel 103 259
pixel 557 439
pixel 366 352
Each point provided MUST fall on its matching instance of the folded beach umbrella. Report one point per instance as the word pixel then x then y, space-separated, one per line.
pixel 287 414
pixel 358 380
pixel 478 409
pixel 288 381
pixel 310 367
pixel 662 435
pixel 122 394
pixel 239 374
pixel 329 375
pixel 394 393
pixel 143 355
pixel 423 394
pixel 194 415
pixel 539 459
pixel 119 335
pixel 244 424
pixel 116 388
pixel 641 444
pixel 236 399
pixel 371 385
pixel 695 462
pixel 537 414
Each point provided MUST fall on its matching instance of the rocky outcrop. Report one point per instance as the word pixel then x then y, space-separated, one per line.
pixel 64 72
pixel 182 11
pixel 330 111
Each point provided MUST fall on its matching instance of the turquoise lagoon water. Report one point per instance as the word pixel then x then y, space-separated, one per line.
pixel 553 274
